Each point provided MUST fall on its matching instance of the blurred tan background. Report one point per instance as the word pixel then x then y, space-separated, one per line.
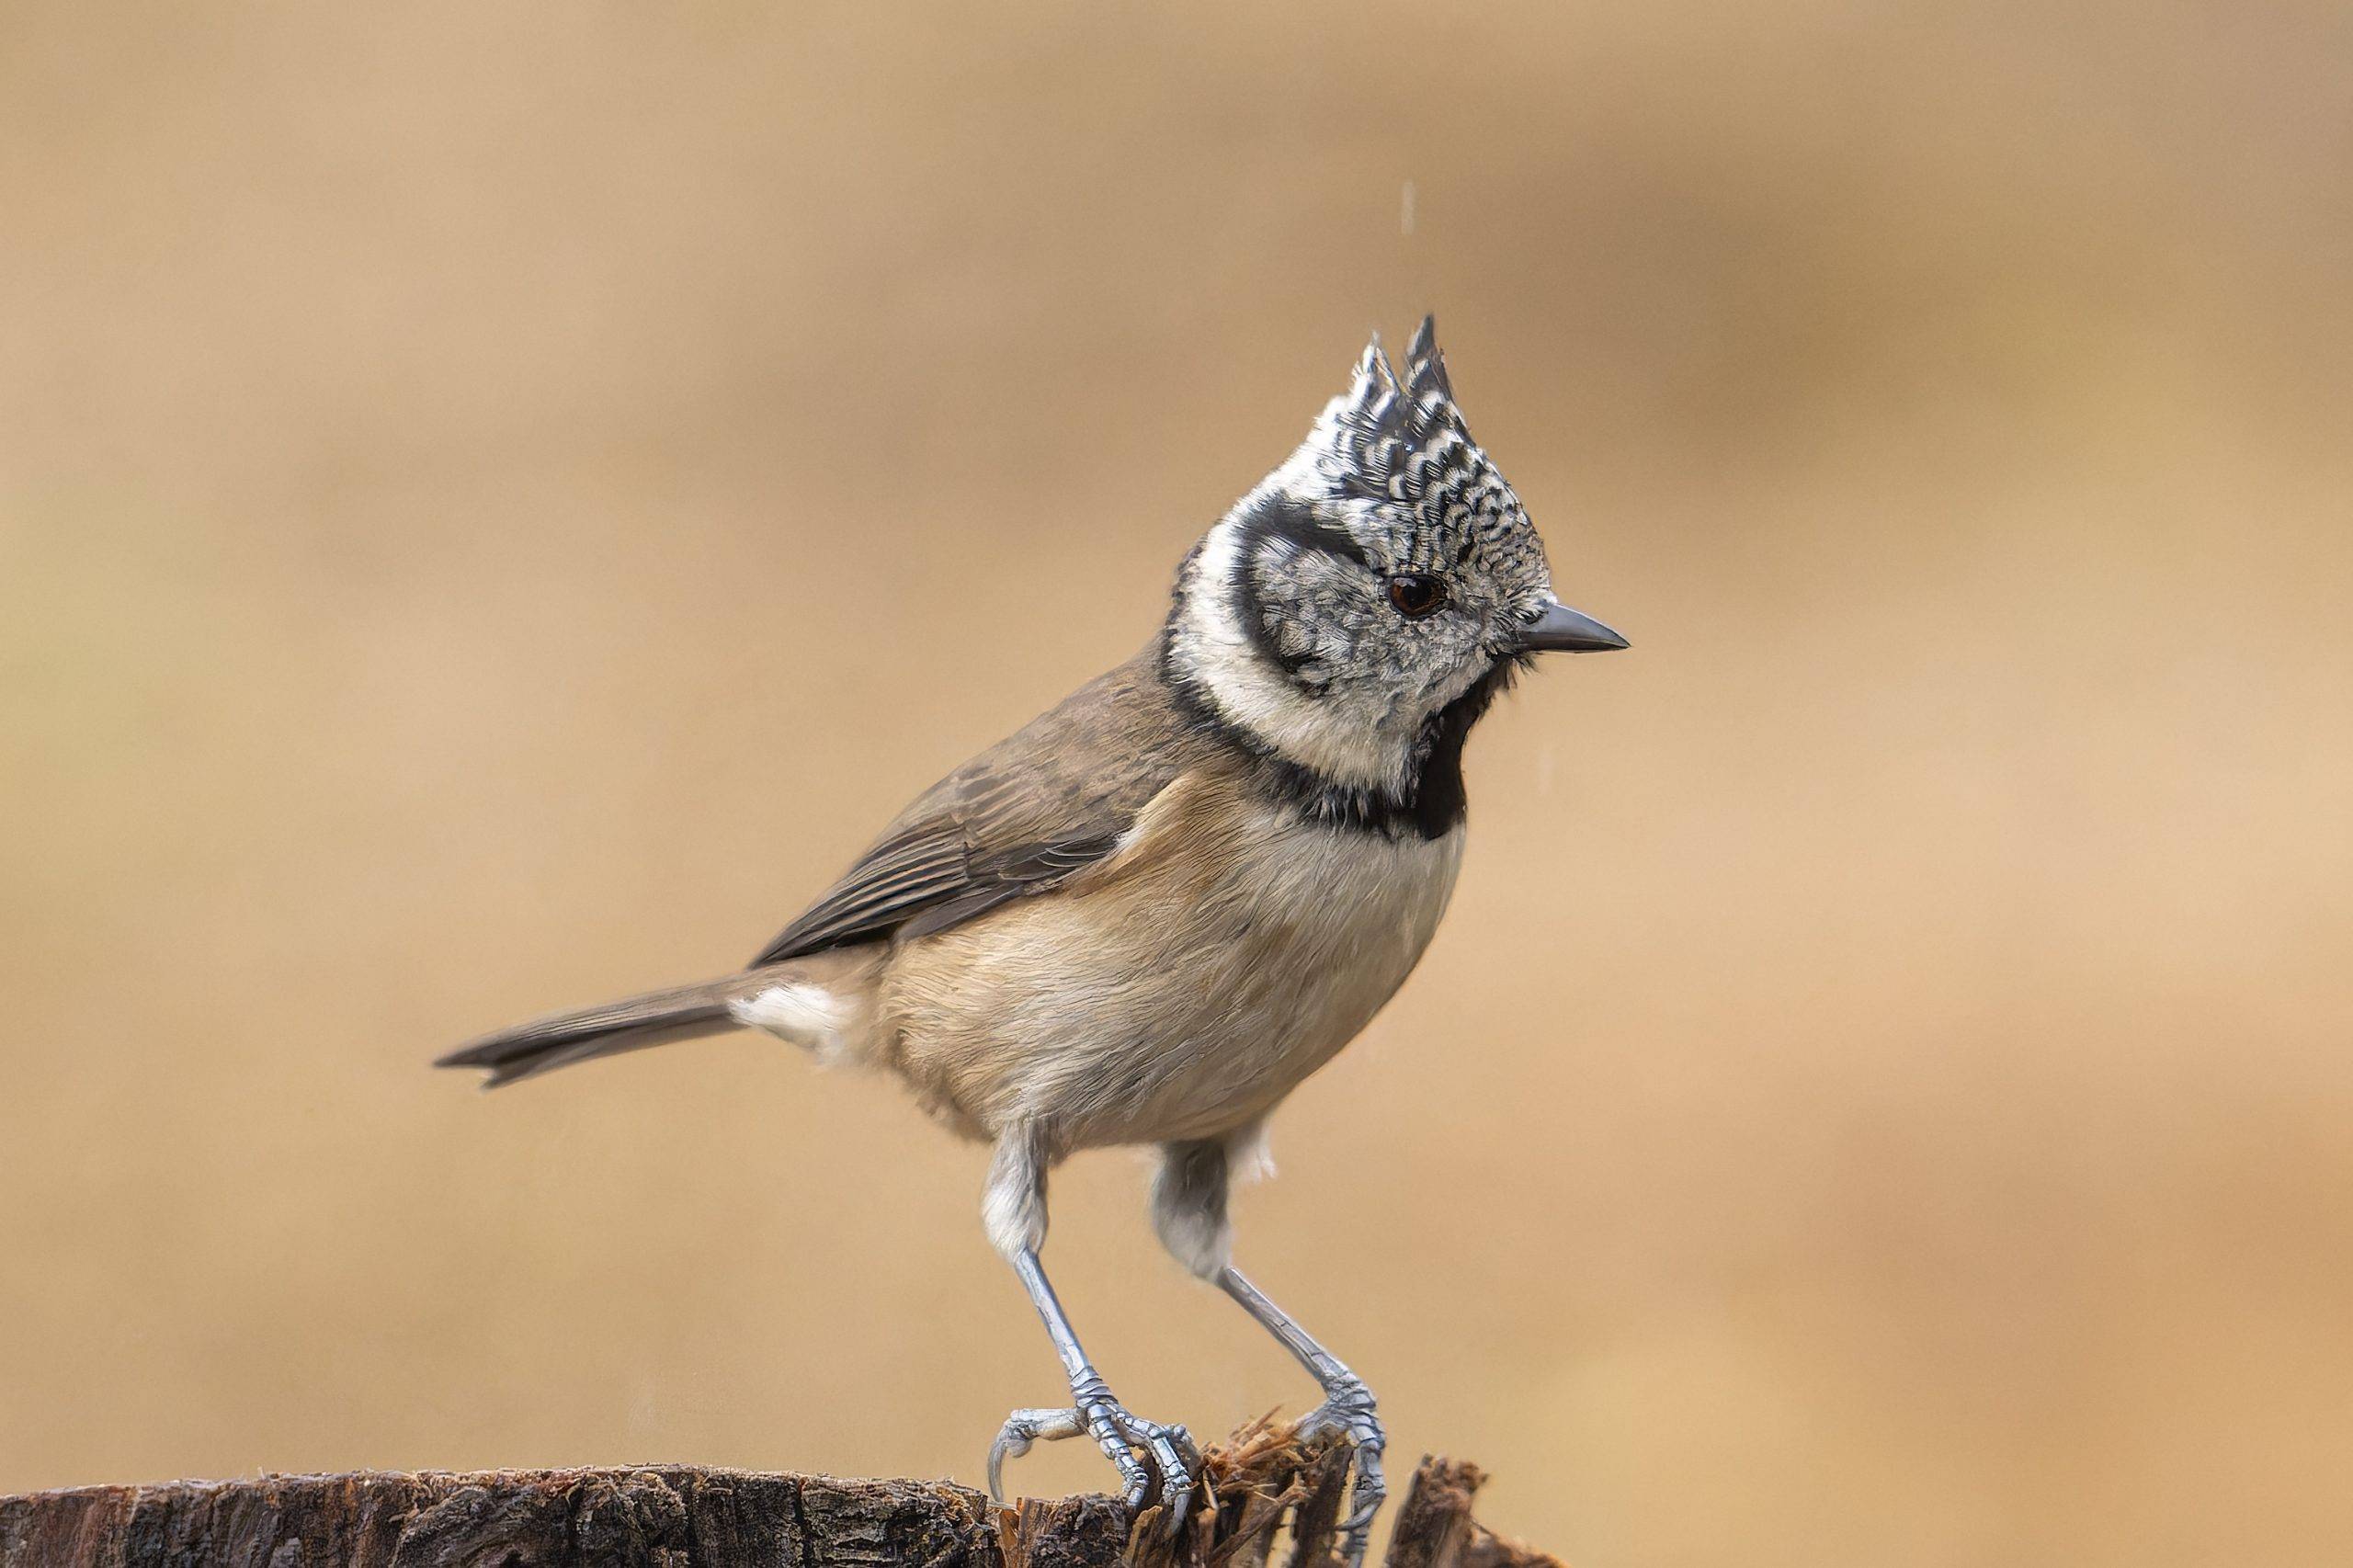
pixel 498 504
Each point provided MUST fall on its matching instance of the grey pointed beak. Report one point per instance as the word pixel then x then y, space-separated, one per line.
pixel 1561 630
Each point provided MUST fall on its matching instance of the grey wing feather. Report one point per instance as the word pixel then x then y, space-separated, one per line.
pixel 917 885
pixel 1021 817
pixel 902 873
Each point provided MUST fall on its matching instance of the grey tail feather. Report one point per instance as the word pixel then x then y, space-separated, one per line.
pixel 560 1040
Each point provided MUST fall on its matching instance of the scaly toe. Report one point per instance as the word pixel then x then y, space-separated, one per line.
pixel 1022 1429
pixel 1172 1454
pixel 1119 1432
pixel 1178 1474
pixel 1109 1422
pixel 1349 1410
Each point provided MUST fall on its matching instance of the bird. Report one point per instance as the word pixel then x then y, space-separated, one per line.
pixel 1146 917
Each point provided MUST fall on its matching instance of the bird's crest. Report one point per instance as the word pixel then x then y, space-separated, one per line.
pixel 1402 440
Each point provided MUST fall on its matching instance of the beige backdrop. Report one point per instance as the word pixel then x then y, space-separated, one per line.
pixel 497 504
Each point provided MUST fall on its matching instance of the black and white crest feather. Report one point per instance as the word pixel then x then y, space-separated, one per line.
pixel 1403 441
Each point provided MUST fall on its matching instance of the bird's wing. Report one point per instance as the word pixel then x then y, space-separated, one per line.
pixel 1019 818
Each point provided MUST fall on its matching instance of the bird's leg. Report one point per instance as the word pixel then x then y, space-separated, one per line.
pixel 1348 1407
pixel 1016 1212
pixel 1188 1209
pixel 1119 1431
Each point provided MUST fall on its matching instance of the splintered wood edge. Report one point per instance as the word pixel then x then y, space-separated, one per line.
pixel 1435 1529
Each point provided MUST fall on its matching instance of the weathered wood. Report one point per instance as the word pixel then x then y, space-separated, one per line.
pixel 1435 1528
pixel 1259 1485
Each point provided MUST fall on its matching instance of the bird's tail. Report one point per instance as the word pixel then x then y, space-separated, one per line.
pixel 562 1038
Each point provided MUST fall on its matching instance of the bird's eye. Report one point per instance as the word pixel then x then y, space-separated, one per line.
pixel 1416 594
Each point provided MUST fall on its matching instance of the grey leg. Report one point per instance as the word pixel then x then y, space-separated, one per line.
pixel 1188 1203
pixel 1348 1407
pixel 1015 1209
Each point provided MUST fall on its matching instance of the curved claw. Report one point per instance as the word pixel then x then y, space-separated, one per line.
pixel 1022 1429
pixel 1119 1432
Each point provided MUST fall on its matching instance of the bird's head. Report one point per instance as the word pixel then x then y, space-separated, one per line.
pixel 1380 582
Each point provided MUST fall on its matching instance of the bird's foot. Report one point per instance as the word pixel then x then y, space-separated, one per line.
pixel 1348 1410
pixel 1120 1433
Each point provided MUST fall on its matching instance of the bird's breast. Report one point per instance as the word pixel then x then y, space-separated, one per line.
pixel 1228 951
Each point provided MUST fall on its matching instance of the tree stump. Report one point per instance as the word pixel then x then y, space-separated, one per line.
pixel 1268 1498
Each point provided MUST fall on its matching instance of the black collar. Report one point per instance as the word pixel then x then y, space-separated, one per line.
pixel 1430 803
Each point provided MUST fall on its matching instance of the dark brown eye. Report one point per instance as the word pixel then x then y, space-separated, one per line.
pixel 1416 594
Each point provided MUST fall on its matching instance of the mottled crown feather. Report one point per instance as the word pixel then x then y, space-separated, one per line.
pixel 1375 430
pixel 1402 440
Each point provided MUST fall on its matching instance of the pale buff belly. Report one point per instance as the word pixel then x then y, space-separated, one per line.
pixel 1182 996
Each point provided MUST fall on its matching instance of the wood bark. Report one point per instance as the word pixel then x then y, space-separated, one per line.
pixel 1270 1500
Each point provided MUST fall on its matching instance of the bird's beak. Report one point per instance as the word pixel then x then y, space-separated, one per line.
pixel 1561 630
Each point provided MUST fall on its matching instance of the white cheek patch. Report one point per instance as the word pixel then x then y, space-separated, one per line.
pixel 809 1015
pixel 1330 735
